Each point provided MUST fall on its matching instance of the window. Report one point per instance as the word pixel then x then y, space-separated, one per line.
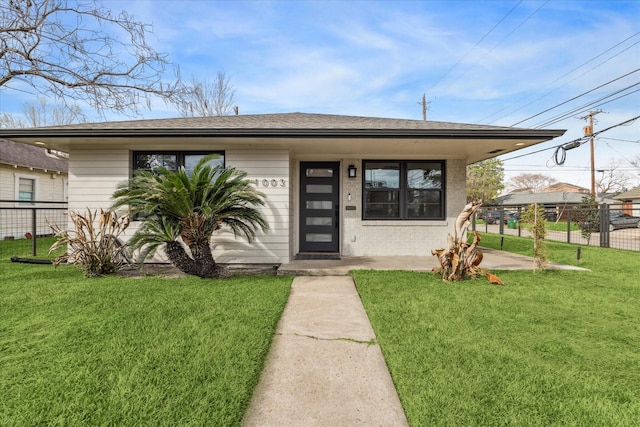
pixel 150 161
pixel 410 190
pixel 171 160
pixel 25 189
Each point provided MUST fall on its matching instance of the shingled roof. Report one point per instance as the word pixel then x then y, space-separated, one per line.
pixel 281 124
pixel 24 155
pixel 276 121
pixel 298 132
pixel 633 194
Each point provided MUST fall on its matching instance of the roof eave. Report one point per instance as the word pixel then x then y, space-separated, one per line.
pixel 506 133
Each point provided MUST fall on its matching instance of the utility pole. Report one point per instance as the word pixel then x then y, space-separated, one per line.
pixel 424 106
pixel 588 131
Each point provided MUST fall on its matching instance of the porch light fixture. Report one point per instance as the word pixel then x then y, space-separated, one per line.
pixel 352 171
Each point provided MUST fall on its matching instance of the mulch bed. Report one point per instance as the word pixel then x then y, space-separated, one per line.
pixel 168 270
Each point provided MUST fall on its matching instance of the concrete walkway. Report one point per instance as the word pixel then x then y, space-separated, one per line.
pixel 493 260
pixel 324 367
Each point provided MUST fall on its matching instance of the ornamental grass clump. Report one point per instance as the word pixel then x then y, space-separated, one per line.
pixel 93 245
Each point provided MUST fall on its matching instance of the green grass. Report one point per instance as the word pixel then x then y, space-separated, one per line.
pixel 551 225
pixel 126 351
pixel 549 348
pixel 23 248
pixel 602 259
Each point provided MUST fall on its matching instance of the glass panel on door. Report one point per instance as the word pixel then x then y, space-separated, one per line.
pixel 319 206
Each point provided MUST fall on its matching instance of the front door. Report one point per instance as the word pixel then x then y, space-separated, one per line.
pixel 319 206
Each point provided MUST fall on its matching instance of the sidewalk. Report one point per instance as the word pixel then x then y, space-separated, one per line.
pixel 324 367
pixel 493 260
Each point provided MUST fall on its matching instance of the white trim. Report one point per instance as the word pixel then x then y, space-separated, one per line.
pixel 36 185
pixel 65 189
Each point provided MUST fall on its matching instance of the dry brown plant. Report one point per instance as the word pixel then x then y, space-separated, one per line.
pixel 94 245
pixel 460 259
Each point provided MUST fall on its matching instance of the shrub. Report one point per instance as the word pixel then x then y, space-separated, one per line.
pixel 93 245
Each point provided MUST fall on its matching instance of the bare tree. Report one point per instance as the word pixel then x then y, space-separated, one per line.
pixel 635 162
pixel 206 98
pixel 533 182
pixel 70 50
pixel 612 180
pixel 41 113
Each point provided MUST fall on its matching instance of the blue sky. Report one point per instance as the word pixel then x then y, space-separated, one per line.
pixel 488 62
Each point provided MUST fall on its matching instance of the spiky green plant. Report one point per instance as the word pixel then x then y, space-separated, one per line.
pixel 181 211
pixel 93 245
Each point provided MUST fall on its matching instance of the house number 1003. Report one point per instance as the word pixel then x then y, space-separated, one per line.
pixel 271 183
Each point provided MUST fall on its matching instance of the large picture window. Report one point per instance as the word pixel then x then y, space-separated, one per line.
pixel 410 190
pixel 152 160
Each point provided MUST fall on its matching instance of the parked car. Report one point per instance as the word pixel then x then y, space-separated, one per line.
pixel 617 220
pixel 491 217
pixel 622 220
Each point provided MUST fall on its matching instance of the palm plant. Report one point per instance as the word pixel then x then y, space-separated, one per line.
pixel 181 210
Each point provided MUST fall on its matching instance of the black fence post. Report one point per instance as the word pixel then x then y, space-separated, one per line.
pixel 604 225
pixel 34 232
pixel 568 225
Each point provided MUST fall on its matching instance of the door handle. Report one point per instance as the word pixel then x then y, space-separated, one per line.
pixel 337 214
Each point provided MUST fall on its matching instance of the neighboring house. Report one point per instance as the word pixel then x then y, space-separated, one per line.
pixel 565 187
pixel 28 174
pixel 556 204
pixel 630 201
pixel 334 185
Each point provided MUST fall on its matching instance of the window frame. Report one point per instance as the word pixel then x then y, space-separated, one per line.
pixel 180 156
pixel 34 179
pixel 403 189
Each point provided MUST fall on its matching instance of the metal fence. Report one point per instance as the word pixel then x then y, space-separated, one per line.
pixel 25 223
pixel 607 226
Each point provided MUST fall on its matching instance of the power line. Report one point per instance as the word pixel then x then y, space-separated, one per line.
pixel 498 44
pixel 589 105
pixel 474 46
pixel 637 141
pixel 564 75
pixel 575 143
pixel 576 97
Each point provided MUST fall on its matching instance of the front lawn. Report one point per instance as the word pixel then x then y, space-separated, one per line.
pixel 549 348
pixel 131 351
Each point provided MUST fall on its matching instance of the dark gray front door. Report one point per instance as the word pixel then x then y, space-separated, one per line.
pixel 319 206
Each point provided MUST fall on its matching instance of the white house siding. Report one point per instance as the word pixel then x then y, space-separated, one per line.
pixel 94 175
pixel 269 169
pixel 14 222
pixel 390 238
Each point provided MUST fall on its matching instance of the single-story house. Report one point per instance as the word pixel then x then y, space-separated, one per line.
pixel 630 201
pixel 30 177
pixel 556 203
pixel 560 187
pixel 335 185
